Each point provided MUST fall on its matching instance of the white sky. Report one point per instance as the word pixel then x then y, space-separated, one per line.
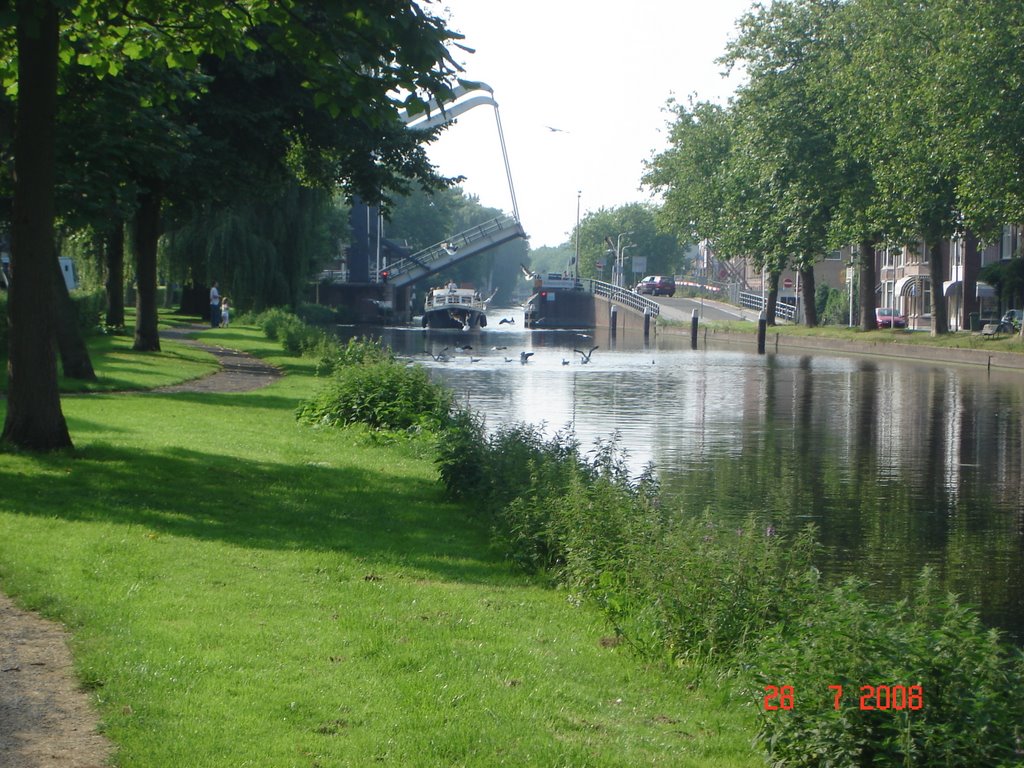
pixel 601 71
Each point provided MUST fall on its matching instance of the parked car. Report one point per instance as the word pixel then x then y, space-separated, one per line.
pixel 887 317
pixel 657 285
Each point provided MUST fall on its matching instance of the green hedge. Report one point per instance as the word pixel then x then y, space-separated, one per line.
pixel 3 324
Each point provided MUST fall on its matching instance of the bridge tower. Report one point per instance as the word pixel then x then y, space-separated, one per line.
pixel 369 252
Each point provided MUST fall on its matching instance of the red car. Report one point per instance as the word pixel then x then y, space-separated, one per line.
pixel 657 285
pixel 887 317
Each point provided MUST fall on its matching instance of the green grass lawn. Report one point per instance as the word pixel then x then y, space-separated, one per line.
pixel 243 590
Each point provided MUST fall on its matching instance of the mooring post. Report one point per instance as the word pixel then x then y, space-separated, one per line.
pixel 762 330
pixel 613 317
pixel 647 324
pixel 694 321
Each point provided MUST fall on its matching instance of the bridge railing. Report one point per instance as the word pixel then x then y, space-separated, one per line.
pixel 446 249
pixel 623 296
pixel 783 311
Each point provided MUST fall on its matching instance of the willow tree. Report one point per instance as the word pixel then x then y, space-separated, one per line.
pixel 356 59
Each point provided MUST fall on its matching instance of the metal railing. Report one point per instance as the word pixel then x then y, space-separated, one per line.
pixel 449 249
pixel 783 311
pixel 623 296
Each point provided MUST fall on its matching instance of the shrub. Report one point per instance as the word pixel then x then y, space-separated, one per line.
pixel 382 395
pixel 316 314
pixel 3 324
pixel 90 307
pixel 970 710
pixel 272 320
pixel 295 337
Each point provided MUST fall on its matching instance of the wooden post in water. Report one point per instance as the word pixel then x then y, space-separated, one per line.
pixel 647 324
pixel 613 316
pixel 762 330
pixel 693 329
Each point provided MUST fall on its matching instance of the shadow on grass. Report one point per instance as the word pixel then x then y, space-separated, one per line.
pixel 369 513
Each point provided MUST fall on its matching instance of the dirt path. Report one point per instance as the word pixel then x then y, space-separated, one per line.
pixel 239 371
pixel 46 720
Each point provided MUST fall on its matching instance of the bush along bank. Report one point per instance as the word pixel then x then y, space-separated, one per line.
pixel 838 680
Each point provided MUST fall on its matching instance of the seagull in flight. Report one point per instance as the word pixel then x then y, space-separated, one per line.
pixel 509 320
pixel 556 130
pixel 585 355
pixel 524 357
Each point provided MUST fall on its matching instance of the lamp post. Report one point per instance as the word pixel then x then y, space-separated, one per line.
pixel 576 260
pixel 622 263
pixel 618 257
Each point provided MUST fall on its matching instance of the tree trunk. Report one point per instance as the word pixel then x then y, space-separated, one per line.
pixel 807 291
pixel 147 232
pixel 773 297
pixel 34 418
pixel 937 271
pixel 866 251
pixel 74 354
pixel 969 283
pixel 115 276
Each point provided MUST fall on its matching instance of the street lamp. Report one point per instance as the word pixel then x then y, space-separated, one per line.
pixel 622 263
pixel 618 257
pixel 576 261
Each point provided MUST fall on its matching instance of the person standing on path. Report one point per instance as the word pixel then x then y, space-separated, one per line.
pixel 214 305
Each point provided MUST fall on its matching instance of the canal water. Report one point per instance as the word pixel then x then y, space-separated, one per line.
pixel 899 464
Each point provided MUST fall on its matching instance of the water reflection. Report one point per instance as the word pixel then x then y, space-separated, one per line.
pixel 898 464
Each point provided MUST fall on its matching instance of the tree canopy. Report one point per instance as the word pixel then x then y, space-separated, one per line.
pixel 342 73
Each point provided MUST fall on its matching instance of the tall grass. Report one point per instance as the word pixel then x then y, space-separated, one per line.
pixel 747 603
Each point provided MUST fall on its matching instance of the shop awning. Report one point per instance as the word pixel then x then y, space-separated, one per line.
pixel 910 285
pixel 985 291
pixel 952 288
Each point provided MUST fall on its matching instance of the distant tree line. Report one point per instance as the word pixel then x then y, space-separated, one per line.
pixel 860 122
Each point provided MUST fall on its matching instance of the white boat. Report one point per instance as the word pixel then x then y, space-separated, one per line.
pixel 452 307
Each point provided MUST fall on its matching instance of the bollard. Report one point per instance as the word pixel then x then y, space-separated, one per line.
pixel 762 330
pixel 647 324
pixel 693 329
pixel 613 317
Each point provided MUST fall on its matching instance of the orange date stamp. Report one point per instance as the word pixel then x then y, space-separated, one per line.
pixel 883 698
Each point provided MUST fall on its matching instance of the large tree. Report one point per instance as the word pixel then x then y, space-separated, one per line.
pixel 356 59
pixel 34 417
pixel 786 148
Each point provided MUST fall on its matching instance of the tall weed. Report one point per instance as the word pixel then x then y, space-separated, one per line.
pixel 382 395
pixel 942 690
pixel 746 601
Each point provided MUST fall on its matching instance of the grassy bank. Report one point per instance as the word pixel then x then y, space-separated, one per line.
pixel 245 590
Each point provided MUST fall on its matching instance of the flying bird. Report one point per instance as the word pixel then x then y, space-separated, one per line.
pixel 507 320
pixel 564 361
pixel 585 355
pixel 524 357
pixel 556 130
